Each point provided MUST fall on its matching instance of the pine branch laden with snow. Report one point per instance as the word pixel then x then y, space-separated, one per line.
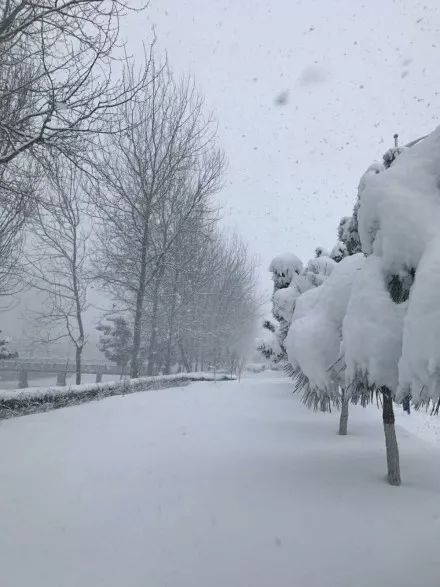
pixel 311 396
pixel 372 331
pixel 284 299
pixel 269 346
pixel 283 268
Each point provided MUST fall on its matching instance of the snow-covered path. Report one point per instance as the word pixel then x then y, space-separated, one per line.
pixel 213 485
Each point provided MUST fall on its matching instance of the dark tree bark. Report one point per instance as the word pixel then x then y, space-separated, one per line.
pixel 392 448
pixel 343 420
pixel 140 296
pixel 78 354
pixel 153 337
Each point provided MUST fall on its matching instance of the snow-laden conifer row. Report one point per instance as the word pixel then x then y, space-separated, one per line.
pixel 364 319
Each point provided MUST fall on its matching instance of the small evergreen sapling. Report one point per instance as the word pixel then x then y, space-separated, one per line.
pixel 115 342
pixel 5 353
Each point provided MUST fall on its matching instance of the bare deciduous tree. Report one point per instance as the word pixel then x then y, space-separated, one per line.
pixel 17 201
pixel 56 258
pixel 56 73
pixel 152 178
pixel 205 310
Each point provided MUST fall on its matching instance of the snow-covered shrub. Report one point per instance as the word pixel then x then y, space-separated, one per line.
pixel 19 402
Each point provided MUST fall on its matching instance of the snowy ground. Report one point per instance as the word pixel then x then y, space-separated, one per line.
pixel 215 485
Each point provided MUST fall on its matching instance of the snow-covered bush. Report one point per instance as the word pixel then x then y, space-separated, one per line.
pixel 19 402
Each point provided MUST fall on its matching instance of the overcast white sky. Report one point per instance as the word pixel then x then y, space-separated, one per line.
pixel 355 73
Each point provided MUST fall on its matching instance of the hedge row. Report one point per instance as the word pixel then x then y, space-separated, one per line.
pixel 41 399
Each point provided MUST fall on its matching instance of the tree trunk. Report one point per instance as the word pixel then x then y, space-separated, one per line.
pixel 183 357
pixel 171 322
pixel 140 295
pixel 61 379
pixel 79 343
pixel 392 448
pixel 343 419
pixel 23 379
pixel 167 366
pixel 78 353
pixel 153 337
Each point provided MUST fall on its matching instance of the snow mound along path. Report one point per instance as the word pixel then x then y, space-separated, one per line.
pixel 20 402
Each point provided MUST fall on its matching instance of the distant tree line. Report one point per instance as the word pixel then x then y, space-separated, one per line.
pixel 108 174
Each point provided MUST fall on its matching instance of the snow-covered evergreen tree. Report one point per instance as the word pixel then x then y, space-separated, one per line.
pixel 268 343
pixel 286 271
pixel 115 342
pixel 292 280
pixel 398 224
pixel 396 207
pixel 314 339
pixel 5 353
